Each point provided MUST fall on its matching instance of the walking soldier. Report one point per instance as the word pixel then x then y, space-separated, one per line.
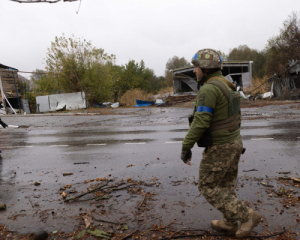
pixel 215 125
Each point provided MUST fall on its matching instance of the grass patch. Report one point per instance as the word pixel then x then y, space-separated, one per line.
pixel 257 82
pixel 129 98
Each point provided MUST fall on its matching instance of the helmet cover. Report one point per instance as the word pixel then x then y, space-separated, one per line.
pixel 207 58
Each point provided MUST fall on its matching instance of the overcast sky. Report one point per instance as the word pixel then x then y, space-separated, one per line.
pixel 152 30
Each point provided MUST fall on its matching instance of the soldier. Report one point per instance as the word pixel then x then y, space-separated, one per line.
pixel 215 125
pixel 4 125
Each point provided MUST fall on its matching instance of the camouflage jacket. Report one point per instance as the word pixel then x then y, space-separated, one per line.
pixel 211 106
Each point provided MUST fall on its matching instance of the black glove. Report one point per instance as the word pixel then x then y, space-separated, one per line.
pixel 191 119
pixel 186 155
pixel 4 125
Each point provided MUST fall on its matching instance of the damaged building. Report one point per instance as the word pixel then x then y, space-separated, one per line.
pixel 9 89
pixel 237 72
pixel 288 85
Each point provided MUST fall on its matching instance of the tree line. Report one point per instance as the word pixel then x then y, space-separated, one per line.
pixel 73 65
pixel 279 50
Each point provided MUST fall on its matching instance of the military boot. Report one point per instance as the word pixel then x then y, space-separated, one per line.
pixel 247 227
pixel 221 226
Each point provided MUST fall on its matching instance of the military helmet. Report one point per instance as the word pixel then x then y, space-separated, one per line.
pixel 207 58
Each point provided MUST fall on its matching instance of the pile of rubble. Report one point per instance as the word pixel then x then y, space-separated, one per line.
pixel 180 99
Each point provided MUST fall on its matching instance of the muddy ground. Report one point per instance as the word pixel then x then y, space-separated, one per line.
pixel 135 152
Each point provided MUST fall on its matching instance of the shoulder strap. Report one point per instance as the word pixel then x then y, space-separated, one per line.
pixel 219 82
pixel 224 80
pixel 221 86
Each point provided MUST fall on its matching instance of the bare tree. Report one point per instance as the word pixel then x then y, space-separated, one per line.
pixel 286 46
pixel 173 63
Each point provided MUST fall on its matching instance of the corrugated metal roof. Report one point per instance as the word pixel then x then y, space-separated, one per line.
pixel 7 67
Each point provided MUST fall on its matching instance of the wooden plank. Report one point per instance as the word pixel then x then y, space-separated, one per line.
pixel 5 84
pixel 3 79
pixel 8 74
pixel 10 90
pixel 9 82
pixel 14 95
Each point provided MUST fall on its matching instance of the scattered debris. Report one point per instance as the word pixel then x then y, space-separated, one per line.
pixel 67 174
pixel 115 105
pixel 130 166
pixel 106 196
pixel 63 195
pixel 67 186
pixel 99 233
pixel 143 201
pixel 140 103
pixel 37 184
pixel 296 180
pixel 2 206
pixel 159 102
pixel 285 178
pixel 250 170
pixel 40 235
pixel 83 194
pixel 180 99
pixel 87 218
pixel 101 179
pixel 101 220
pixel 129 235
pixel 81 234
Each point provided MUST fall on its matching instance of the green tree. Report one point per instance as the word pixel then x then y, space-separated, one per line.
pixel 45 85
pixel 259 62
pixel 223 55
pixel 98 82
pixel 174 63
pixel 24 84
pixel 68 57
pixel 245 53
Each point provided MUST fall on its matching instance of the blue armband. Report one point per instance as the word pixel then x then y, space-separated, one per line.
pixel 204 109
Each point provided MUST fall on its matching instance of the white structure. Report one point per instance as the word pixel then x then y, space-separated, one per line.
pixel 70 101
pixel 238 72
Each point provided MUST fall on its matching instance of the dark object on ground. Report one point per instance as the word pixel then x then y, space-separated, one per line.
pixel 251 170
pixel 141 103
pixel 67 174
pixel 2 206
pixel 40 235
pixel 168 104
pixel 4 125
pixel 179 99
pixel 244 150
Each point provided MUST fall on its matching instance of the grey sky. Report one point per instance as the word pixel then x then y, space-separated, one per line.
pixel 152 30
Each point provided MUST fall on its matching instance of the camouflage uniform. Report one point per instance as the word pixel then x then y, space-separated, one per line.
pixel 219 165
pixel 217 177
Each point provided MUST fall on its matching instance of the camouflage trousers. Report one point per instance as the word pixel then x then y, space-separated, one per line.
pixel 217 177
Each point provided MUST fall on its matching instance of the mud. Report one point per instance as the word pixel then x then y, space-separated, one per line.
pixel 141 144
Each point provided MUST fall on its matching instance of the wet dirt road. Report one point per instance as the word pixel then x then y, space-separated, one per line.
pixel 144 145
